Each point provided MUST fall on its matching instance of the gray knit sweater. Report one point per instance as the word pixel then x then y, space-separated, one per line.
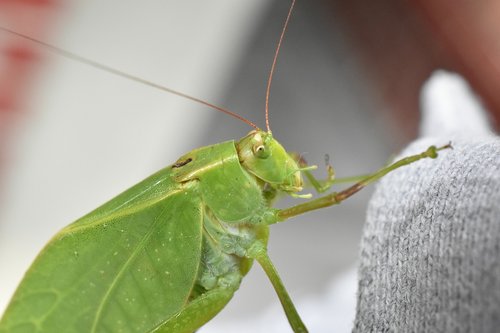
pixel 430 253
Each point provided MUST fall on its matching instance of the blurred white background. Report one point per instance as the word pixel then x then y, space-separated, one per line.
pixel 88 134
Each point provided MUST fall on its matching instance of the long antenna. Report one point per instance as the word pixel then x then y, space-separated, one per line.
pixel 270 79
pixel 117 72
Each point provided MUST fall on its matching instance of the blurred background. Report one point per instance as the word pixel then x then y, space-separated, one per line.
pixel 347 84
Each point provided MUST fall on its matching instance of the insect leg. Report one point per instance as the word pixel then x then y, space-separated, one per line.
pixel 259 252
pixel 324 185
pixel 319 185
pixel 197 312
pixel 337 197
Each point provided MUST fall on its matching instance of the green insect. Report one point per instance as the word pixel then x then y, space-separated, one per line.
pixel 168 254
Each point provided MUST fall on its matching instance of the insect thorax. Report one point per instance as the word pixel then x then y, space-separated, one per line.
pixel 234 213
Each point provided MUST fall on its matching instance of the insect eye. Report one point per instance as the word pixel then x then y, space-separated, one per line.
pixel 261 151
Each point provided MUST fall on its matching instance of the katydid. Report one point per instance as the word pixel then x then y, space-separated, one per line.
pixel 168 254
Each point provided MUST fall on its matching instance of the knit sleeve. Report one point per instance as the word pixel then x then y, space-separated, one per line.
pixel 430 252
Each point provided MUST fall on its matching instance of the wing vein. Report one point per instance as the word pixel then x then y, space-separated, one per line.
pixel 136 251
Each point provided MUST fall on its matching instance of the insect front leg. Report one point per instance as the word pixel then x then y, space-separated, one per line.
pixel 319 185
pixel 323 185
pixel 337 197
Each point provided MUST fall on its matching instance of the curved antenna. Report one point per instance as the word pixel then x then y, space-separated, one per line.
pixel 117 72
pixel 270 79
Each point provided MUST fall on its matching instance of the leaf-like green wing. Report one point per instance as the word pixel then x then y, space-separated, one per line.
pixel 126 267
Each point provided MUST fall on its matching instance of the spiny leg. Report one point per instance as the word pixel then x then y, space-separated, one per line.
pixel 337 197
pixel 259 252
